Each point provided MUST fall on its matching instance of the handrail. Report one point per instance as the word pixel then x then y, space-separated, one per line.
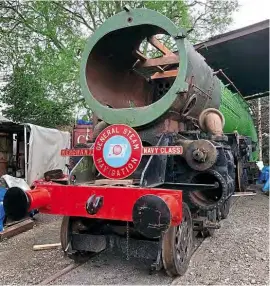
pixel 231 83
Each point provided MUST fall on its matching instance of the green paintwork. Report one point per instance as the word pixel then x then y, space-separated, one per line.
pixel 237 115
pixel 143 115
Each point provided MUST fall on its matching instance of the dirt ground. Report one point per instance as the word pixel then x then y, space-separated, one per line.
pixel 237 254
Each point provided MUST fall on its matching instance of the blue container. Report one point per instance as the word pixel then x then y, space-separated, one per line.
pixel 84 122
pixel 264 175
pixel 2 212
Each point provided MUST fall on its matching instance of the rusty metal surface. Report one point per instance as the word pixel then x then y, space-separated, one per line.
pixel 110 82
pixel 118 74
pixel 165 74
pixel 116 87
pixel 152 62
pixel 201 155
pixel 212 120
pixel 107 68
pixel 157 44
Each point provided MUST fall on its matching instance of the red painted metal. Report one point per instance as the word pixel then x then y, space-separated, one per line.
pixel 118 201
pixel 77 152
pixel 38 198
pixel 133 160
pixel 160 150
pixel 81 134
pixel 175 207
pixel 163 150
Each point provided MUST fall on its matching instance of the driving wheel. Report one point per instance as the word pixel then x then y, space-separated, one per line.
pixel 177 245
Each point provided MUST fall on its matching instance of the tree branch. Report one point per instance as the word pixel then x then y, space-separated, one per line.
pixel 26 24
pixel 89 10
pixel 77 15
pixel 195 22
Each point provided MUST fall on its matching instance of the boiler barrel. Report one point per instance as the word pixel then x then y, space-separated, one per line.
pixel 111 75
pixel 139 89
pixel 238 116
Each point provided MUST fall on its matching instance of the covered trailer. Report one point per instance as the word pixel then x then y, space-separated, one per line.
pixel 27 151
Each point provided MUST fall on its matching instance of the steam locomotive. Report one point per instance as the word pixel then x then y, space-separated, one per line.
pixel 171 144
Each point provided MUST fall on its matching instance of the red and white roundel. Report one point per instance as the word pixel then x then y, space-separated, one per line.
pixel 117 151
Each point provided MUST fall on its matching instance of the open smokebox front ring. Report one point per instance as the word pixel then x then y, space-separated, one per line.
pixel 120 67
pixel 208 198
pixel 133 69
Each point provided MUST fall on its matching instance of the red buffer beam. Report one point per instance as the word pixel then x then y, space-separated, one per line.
pixel 146 207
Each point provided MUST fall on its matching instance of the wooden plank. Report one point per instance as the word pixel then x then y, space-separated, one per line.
pixel 162 61
pixel 46 246
pixel 10 223
pixel 243 194
pixel 16 229
pixel 158 45
pixel 172 73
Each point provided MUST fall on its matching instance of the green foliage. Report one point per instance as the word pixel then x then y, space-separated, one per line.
pixel 44 39
pixel 26 101
pixel 210 17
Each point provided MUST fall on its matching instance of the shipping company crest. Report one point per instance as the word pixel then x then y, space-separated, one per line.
pixel 117 151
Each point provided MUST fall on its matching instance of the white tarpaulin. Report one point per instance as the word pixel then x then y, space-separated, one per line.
pixel 45 146
pixel 16 182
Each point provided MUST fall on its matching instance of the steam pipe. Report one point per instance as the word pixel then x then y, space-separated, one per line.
pixel 212 120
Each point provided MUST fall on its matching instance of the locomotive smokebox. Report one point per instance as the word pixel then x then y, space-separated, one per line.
pixel 112 73
pixel 153 215
pixel 18 203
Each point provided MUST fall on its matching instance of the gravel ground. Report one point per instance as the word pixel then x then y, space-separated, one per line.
pixel 236 255
pixel 110 269
pixel 19 264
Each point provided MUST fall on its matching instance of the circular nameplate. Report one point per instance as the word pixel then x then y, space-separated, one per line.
pixel 117 151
